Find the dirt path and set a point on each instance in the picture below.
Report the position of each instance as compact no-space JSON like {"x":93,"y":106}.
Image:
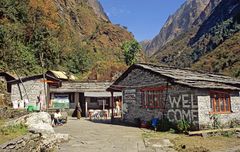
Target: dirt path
{"x":87,"y":136}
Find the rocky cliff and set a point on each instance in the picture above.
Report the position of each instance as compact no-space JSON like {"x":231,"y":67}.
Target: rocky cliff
{"x":181,"y":21}
{"x":210,"y":44}
{"x":98,"y":9}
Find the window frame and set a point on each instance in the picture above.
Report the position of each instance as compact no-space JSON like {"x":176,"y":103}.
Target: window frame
{"x":150,"y":94}
{"x":219,"y":99}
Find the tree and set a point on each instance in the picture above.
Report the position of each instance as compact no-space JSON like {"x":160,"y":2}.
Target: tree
{"x":131,"y":48}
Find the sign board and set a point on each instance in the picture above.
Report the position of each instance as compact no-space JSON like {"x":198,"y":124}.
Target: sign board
{"x":61,"y":101}
{"x":130,"y":95}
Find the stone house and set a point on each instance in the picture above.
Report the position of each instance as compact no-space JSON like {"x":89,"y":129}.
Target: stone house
{"x":31,"y":87}
{"x":5,"y":88}
{"x":4,"y":78}
{"x":167,"y":92}
{"x":90,"y":95}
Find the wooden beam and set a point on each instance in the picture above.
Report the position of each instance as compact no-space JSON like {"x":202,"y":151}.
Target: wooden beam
{"x":191,"y":133}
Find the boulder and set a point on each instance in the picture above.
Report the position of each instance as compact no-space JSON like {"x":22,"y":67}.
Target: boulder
{"x":36,"y":122}
{"x":37,"y":118}
{"x":42,"y":128}
{"x":33,"y":118}
{"x":41,"y":138}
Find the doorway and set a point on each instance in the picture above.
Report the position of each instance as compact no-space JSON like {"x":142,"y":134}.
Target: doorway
{"x":82,"y":104}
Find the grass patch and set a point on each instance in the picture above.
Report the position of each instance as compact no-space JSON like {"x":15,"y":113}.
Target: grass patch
{"x":153,"y":134}
{"x":187,"y":143}
{"x":11,"y":132}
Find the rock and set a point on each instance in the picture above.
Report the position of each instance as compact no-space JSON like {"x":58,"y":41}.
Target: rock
{"x":41,"y":138}
{"x":51,"y":141}
{"x":12,"y":146}
{"x":205,"y":135}
{"x":167,"y":143}
{"x":41,"y":128}
{"x":37,"y":122}
{"x":37,"y":118}
{"x":157,"y":145}
{"x":62,"y":137}
{"x":34,"y":136}
{"x":20,"y":141}
{"x":33,"y":118}
{"x":23,"y":144}
{"x":4,"y":146}
{"x":55,"y":138}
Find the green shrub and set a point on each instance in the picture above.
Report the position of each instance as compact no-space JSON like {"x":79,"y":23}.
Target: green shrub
{"x":234,"y":123}
{"x":183,"y":126}
{"x":228,"y":133}
{"x":216,"y":121}
{"x":13,"y":129}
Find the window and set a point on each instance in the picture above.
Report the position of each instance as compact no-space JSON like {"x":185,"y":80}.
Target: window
{"x":220,"y":102}
{"x":153,"y":97}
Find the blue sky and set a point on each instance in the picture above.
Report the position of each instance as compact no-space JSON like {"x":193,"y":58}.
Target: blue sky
{"x":144,"y":18}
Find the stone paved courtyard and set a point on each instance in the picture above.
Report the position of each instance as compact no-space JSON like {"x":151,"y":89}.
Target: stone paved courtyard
{"x":87,"y":136}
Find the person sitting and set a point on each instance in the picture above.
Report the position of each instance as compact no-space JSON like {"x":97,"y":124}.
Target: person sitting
{"x":57,"y":118}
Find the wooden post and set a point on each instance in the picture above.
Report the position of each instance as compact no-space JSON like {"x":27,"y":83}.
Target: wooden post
{"x":44,"y":79}
{"x":86,"y":108}
{"x":103,"y":104}
{"x":112,"y":100}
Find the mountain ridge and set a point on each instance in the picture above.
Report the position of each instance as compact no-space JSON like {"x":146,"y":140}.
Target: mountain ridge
{"x":218,"y":30}
{"x":177,"y":23}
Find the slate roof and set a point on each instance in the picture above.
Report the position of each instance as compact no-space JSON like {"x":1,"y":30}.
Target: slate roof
{"x":187,"y":77}
{"x":7,"y":76}
{"x":75,"y":86}
{"x":34,"y":77}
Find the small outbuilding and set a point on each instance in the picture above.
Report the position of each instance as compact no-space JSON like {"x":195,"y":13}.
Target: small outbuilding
{"x":32,"y":91}
{"x":4,"y":78}
{"x":176,"y":94}
{"x":5,"y":88}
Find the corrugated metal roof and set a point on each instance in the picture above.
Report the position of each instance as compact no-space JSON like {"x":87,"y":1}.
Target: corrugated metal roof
{"x":59,"y":74}
{"x":62,"y":75}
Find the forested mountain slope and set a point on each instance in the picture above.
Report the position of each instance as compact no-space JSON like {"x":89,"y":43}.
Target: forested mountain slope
{"x":71,"y":35}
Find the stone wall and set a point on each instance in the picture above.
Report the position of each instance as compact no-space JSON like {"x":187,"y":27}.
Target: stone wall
{"x":34,"y":143}
{"x":224,"y":119}
{"x":33,"y":89}
{"x":4,"y":95}
{"x":138,"y":77}
{"x":180,"y":103}
{"x":9,"y":113}
{"x":132,"y":107}
{"x":30,"y":142}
